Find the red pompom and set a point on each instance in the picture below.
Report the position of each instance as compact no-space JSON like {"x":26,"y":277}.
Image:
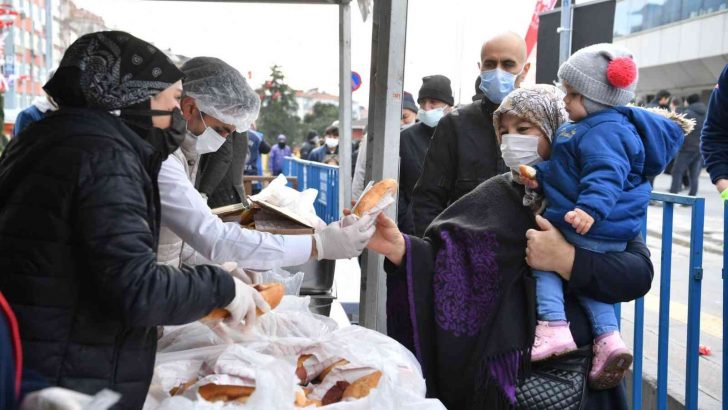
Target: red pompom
{"x":621,"y":72}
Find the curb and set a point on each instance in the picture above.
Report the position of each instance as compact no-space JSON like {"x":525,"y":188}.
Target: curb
{"x":684,"y":240}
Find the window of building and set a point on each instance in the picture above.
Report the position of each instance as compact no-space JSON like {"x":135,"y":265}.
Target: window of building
{"x":633,"y":16}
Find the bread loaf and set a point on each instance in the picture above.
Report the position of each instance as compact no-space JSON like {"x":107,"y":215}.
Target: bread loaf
{"x":225,"y":392}
{"x":527,"y":171}
{"x":372,"y":197}
{"x":271,"y":292}
{"x":362,"y":386}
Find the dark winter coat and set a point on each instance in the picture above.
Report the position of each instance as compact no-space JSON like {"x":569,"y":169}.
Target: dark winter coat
{"x":715,"y":132}
{"x":79,"y":228}
{"x":306,"y":149}
{"x":256,"y":146}
{"x":601,"y":164}
{"x":220,"y":174}
{"x":25,"y":118}
{"x":463,"y":153}
{"x":468,"y":277}
{"x":413,"y":144}
{"x":695,"y":111}
{"x":320,"y":153}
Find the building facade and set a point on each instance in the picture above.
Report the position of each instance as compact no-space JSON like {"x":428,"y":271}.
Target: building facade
{"x":27,"y":54}
{"x":679,"y":45}
{"x":34,"y":45}
{"x":307,"y":99}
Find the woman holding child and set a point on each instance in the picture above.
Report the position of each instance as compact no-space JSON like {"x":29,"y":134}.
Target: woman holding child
{"x":463,"y":297}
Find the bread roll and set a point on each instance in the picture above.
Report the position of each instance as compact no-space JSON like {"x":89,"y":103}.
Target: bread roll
{"x":527,"y":171}
{"x":326,"y":371}
{"x":335,"y":393}
{"x":225,"y":392}
{"x":372,"y":197}
{"x":271,"y":292}
{"x":174,"y":391}
{"x":362,"y":386}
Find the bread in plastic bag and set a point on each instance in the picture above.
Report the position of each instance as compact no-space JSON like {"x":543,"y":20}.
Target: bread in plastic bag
{"x":269,"y":354}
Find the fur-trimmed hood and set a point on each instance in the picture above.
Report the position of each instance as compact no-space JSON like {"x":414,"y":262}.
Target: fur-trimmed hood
{"x":662,"y":133}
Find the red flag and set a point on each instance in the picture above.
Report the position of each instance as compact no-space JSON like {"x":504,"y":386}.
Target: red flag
{"x":542,"y":6}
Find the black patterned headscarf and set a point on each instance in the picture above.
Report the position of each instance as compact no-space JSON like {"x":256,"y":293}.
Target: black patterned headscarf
{"x":111,"y":70}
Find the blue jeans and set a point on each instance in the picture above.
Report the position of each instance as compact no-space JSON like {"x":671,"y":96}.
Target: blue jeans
{"x":550,"y":290}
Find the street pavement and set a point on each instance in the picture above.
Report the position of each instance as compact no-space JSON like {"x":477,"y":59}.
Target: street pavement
{"x":348,"y":279}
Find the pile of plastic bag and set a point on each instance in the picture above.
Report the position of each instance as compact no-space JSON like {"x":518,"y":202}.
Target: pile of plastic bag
{"x":282,"y":359}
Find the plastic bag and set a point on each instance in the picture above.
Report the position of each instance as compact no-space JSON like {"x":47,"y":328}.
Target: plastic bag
{"x":291,"y":282}
{"x":269,"y":354}
{"x":383,"y":203}
{"x":279,"y":194}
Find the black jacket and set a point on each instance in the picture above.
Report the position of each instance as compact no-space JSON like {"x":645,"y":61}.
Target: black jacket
{"x":319,"y":154}
{"x":413,"y":144}
{"x":79,"y":227}
{"x":695,"y":111}
{"x":220,"y":174}
{"x":463,"y":153}
{"x":306,"y":149}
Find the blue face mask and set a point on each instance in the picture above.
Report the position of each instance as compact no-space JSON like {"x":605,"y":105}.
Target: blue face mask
{"x":496,"y":84}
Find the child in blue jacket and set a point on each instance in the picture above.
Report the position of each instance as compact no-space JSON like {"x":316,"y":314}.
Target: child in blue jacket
{"x":596,"y":189}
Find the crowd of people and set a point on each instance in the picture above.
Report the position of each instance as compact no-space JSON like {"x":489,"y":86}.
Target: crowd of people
{"x":517,"y":226}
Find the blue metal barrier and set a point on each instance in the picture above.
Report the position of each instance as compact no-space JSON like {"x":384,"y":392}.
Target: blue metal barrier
{"x":321,"y":177}
{"x":693,"y":328}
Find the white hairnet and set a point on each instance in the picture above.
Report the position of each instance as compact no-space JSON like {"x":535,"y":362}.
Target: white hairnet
{"x":221,"y":91}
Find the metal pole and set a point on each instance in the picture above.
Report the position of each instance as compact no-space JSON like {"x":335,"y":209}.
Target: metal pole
{"x":664,"y":320}
{"x":694,"y":289}
{"x":638,"y":346}
{"x":344,"y":104}
{"x":389,"y":32}
{"x":567,"y":17}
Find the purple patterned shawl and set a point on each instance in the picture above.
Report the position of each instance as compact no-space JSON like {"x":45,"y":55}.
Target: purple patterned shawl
{"x":463,"y":300}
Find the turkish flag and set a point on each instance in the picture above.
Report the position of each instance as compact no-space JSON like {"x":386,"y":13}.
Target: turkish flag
{"x":542,"y":6}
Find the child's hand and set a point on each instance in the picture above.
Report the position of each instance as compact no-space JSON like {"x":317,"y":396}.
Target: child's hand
{"x":530,"y":183}
{"x":579,"y":220}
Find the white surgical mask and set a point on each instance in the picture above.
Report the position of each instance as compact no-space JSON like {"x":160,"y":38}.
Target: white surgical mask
{"x":209,"y":140}
{"x":332,"y":142}
{"x":431,"y":117}
{"x":520,"y":150}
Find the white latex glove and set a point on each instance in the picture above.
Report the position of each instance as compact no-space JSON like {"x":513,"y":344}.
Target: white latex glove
{"x":243,"y":305}
{"x":337,"y":241}
{"x":319,"y":224}
{"x":249,"y":278}
{"x":55,"y":398}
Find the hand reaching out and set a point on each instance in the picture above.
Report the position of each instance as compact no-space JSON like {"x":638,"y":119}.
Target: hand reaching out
{"x":579,"y":220}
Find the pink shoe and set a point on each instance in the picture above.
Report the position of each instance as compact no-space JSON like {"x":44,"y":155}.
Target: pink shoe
{"x":551,"y":341}
{"x":611,"y":360}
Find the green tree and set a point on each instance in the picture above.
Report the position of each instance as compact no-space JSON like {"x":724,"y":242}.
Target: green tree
{"x":320,"y":118}
{"x":278,"y":108}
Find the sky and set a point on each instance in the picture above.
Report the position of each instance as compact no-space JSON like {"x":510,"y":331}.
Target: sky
{"x":443,"y":37}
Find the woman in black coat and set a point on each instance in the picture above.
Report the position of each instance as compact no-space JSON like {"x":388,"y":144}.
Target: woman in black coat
{"x":79,"y":222}
{"x":462,"y":297}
